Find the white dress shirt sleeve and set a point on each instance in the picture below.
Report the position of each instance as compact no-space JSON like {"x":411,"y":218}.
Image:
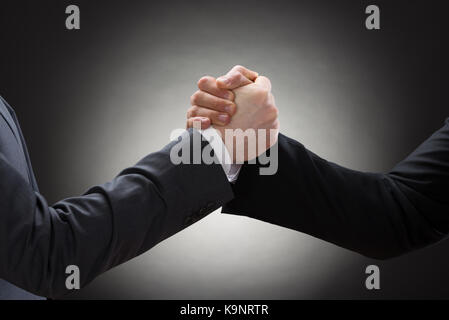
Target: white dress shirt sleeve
{"x":221,"y":152}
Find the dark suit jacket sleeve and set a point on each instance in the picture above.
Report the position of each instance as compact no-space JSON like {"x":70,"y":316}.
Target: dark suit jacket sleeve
{"x":110,"y":224}
{"x":377,"y":215}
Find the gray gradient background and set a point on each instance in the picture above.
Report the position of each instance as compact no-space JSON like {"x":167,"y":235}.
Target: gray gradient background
{"x":94,"y":101}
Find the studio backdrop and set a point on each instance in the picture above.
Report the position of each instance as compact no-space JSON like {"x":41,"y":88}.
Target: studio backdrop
{"x":115,"y":89}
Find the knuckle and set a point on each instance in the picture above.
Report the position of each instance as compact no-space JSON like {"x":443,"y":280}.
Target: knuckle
{"x":271,"y":112}
{"x":276,"y":124}
{"x":238,"y":68}
{"x":191,"y":112}
{"x":195,"y":97}
{"x":263,"y":94}
{"x":203,"y":81}
{"x":275,"y":111}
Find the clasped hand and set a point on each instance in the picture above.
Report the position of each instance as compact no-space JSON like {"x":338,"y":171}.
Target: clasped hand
{"x":241,"y":107}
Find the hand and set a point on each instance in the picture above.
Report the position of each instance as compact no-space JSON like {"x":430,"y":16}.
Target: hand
{"x":214,"y":103}
{"x":251,"y":106}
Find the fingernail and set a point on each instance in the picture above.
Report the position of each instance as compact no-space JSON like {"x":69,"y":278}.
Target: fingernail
{"x":223,"y":118}
{"x":228,"y":109}
{"x":229,"y":96}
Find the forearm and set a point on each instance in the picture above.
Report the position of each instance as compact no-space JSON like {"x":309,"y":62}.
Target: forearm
{"x":364,"y":212}
{"x":109,"y":225}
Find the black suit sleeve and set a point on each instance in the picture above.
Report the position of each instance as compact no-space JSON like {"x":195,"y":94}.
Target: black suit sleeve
{"x":377,"y":215}
{"x":110,"y":224}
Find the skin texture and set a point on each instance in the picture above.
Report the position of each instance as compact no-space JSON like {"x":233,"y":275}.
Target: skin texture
{"x":239,"y":100}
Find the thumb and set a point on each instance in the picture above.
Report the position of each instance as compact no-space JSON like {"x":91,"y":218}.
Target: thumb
{"x":263,"y":82}
{"x":232,"y":80}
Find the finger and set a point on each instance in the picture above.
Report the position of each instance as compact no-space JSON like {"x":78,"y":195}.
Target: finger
{"x":271,"y":99}
{"x":264,"y":82}
{"x":209,"y":85}
{"x":204,"y":99}
{"x":237,"y":77}
{"x":215,"y":117}
{"x":249,"y":74}
{"x":205,"y":122}
{"x":232,"y":80}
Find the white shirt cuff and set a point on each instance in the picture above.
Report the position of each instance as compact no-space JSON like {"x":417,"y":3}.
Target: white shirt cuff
{"x":221,"y":152}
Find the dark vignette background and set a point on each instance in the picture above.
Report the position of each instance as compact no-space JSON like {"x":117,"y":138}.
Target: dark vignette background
{"x":94,"y":101}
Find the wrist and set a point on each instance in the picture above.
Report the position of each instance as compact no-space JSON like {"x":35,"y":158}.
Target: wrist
{"x":228,"y":141}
